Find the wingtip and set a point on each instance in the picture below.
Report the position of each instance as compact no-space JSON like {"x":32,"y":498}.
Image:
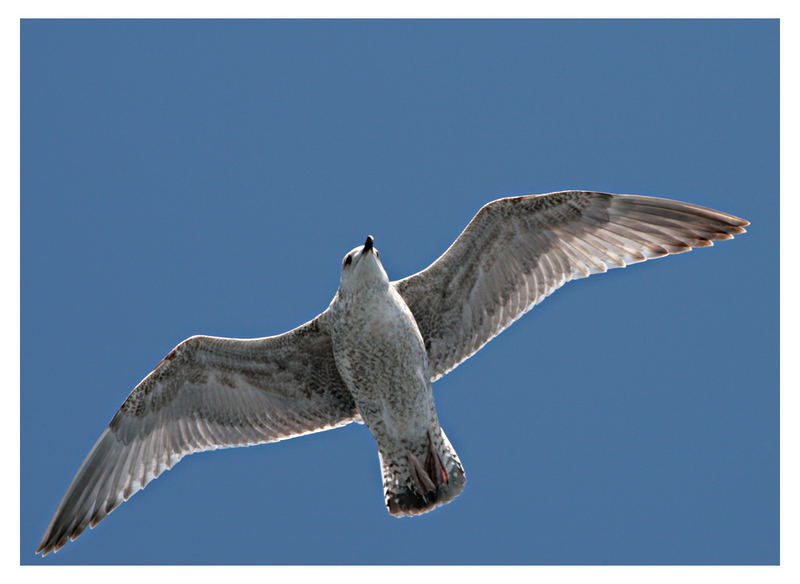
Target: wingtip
{"x":736,"y":225}
{"x":737,"y":229}
{"x":44,"y":546}
{"x":44,"y":549}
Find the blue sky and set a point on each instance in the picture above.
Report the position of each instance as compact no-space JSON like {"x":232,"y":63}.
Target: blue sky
{"x":185,"y":177}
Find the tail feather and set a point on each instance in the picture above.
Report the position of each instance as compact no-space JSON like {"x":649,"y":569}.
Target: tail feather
{"x":413,"y":489}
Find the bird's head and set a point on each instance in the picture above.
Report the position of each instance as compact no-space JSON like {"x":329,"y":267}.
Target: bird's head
{"x":362,"y":268}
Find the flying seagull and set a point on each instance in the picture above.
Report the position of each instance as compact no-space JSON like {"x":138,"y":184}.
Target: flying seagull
{"x":371,"y":356}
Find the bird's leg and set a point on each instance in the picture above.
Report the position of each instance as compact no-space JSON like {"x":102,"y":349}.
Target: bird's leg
{"x":421,"y":477}
{"x":433,"y":464}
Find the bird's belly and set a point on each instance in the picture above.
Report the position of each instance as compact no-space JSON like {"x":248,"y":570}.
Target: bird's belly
{"x":383,"y":361}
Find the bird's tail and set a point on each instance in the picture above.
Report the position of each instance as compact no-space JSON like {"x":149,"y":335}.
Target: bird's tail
{"x":418,"y":479}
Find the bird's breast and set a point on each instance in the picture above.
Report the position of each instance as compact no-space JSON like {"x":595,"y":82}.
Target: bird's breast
{"x":379,"y":350}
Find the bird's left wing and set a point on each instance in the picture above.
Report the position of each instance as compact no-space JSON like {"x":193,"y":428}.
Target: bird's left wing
{"x":518,"y":250}
{"x":207,"y":393}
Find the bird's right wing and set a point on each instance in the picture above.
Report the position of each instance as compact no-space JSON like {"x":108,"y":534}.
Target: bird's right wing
{"x":518,"y":250}
{"x":207,"y":393}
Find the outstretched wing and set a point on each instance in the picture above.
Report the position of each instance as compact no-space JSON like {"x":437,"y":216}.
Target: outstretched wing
{"x":518,"y":250}
{"x":208,"y":393}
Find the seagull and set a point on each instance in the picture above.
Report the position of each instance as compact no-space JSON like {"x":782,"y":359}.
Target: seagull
{"x":371,"y":356}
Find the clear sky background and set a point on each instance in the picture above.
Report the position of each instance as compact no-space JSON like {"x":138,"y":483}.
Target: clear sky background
{"x":185,"y":177}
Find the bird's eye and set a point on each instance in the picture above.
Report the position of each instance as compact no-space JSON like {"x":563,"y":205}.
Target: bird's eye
{"x":348,"y":260}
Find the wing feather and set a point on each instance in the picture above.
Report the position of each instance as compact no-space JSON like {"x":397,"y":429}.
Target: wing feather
{"x":208,"y":393}
{"x":518,"y":250}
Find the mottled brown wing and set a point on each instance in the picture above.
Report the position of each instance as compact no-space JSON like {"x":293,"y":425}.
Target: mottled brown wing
{"x":516,"y":251}
{"x":208,"y":393}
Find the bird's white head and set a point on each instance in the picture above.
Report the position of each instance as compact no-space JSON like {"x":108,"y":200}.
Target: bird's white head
{"x":362,"y":268}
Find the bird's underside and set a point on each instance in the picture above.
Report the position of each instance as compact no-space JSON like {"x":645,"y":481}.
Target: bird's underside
{"x":211,"y":393}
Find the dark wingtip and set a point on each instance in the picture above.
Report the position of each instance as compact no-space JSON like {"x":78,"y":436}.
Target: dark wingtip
{"x":45,"y":548}
{"x":368,"y":243}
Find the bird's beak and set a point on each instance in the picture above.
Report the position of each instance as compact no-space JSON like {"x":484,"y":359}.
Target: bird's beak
{"x":368,"y":243}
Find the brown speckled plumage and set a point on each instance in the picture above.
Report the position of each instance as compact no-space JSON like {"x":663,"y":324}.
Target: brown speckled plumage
{"x":373,"y":353}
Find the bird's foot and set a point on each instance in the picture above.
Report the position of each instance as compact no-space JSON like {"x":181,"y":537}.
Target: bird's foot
{"x":429,"y":477}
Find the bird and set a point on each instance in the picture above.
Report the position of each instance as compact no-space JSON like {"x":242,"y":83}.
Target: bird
{"x":371,"y":356}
